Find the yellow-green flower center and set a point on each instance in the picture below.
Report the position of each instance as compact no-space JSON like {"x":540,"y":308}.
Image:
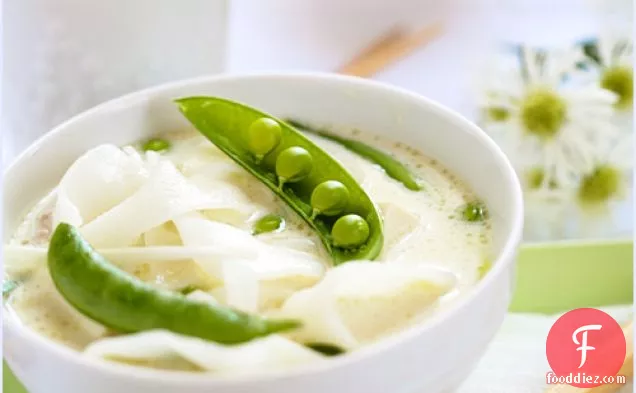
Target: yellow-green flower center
{"x":497,"y":113}
{"x":535,"y":178}
{"x":543,"y":112}
{"x":600,"y":185}
{"x":619,"y":80}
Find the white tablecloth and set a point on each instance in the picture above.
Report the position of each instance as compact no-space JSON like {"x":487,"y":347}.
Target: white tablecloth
{"x":516,"y":361}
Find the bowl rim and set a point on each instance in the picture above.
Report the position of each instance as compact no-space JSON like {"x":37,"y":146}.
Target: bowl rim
{"x":505,"y":258}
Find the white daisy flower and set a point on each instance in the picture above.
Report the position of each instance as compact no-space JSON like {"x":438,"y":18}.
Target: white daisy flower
{"x":613,"y":54}
{"x":541,"y":118}
{"x":592,"y":209}
{"x":609,"y":180}
{"x":595,"y":208}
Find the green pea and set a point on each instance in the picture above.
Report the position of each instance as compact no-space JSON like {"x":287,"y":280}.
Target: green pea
{"x":474,"y":211}
{"x":263,"y":136}
{"x":268,"y":223}
{"x":330,"y":198}
{"x":156,"y":144}
{"x":350,"y":231}
{"x":122,"y":302}
{"x":293,"y":164}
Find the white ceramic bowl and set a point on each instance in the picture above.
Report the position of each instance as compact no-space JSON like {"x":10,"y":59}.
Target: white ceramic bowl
{"x":432,"y":358}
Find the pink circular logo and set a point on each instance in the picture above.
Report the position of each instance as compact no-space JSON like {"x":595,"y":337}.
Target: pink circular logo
{"x":585,"y":346}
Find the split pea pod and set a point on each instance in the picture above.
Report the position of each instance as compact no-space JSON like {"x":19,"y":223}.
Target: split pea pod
{"x":304,"y":176}
{"x":102,"y":292}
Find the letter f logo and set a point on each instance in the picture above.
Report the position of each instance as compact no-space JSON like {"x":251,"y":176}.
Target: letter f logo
{"x":583,"y":344}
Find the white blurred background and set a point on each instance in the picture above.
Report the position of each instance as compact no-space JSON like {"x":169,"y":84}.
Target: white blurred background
{"x":252,"y":36}
{"x":64,"y":56}
{"x":321,"y":35}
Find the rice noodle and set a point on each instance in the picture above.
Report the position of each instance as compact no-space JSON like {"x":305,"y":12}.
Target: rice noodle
{"x":166,"y":195}
{"x":358,"y":302}
{"x":96,"y":182}
{"x":269,"y":353}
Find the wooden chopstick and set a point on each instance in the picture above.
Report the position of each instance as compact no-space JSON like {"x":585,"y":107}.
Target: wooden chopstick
{"x":391,"y":47}
{"x":627,"y":370}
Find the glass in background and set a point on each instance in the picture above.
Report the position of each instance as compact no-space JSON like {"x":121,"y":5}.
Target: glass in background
{"x":64,"y":56}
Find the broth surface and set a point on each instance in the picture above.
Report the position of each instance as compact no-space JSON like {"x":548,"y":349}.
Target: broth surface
{"x":421,"y":228}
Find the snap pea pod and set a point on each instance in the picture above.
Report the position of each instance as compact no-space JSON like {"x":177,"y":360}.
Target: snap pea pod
{"x":303,"y":175}
{"x":188,"y":289}
{"x":126,"y":304}
{"x":326,"y":349}
{"x":393,"y":168}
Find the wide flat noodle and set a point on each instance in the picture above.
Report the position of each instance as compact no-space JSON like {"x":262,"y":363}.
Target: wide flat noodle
{"x":215,"y":173}
{"x":202,"y":296}
{"x":267,"y":261}
{"x":240,"y":286}
{"x":162,"y":235}
{"x":273,"y":293}
{"x":240,"y":283}
{"x":278,"y":274}
{"x":20,"y":260}
{"x":196,"y":230}
{"x":23,"y":259}
{"x":269,"y":353}
{"x":226,"y":180}
{"x":65,"y":210}
{"x":294,"y":240}
{"x":167,"y":194}
{"x":96,"y":182}
{"x":193,"y":153}
{"x":359,"y":302}
{"x":236,"y":216}
{"x":241,"y":274}
{"x":172,"y":276}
